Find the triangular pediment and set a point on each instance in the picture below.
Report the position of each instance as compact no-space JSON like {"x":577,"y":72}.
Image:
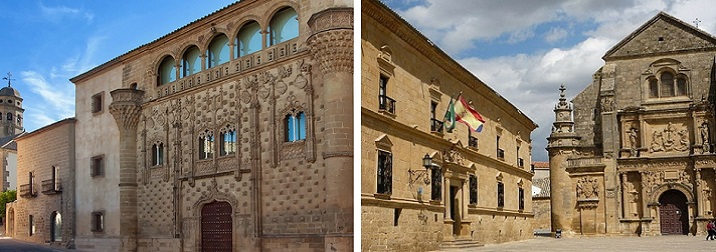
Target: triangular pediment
{"x":663,"y":34}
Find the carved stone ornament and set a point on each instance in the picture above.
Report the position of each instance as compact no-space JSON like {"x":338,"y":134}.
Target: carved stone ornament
{"x":587,"y":188}
{"x":670,"y":139}
{"x":455,"y":157}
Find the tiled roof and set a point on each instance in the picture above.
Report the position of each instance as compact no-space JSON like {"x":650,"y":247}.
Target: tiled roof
{"x":543,"y":184}
{"x":540,"y":164}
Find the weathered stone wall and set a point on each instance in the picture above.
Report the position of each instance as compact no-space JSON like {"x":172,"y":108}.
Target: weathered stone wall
{"x":40,"y":152}
{"x":408,"y":218}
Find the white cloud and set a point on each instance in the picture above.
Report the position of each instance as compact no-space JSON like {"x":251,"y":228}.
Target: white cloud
{"x":59,"y":95}
{"x":57,"y":13}
{"x":531,"y":80}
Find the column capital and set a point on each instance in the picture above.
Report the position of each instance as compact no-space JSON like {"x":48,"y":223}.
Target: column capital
{"x":126,"y":107}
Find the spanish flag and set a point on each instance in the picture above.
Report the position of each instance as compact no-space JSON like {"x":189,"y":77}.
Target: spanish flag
{"x":460,"y":111}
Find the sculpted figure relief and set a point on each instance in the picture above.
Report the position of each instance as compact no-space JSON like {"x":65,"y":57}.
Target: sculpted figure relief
{"x":670,"y":139}
{"x":633,"y":141}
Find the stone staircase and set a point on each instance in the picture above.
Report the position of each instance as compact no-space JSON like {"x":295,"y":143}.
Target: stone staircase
{"x":459,"y":244}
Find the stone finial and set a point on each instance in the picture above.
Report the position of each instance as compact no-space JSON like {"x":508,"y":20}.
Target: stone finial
{"x":126,"y":107}
{"x":562,"y":100}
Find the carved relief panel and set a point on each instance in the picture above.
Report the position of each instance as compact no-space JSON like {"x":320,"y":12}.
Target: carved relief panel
{"x":669,"y":137}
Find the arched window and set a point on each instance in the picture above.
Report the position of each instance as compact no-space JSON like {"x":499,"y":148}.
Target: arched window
{"x":191,"y":62}
{"x":284,"y":26}
{"x":167,"y":71}
{"x":667,"y":84}
{"x":295,"y":127}
{"x":9,"y":116}
{"x":249,"y":39}
{"x":218,"y":52}
{"x":206,"y":145}
{"x":227,"y":142}
{"x":157,"y":154}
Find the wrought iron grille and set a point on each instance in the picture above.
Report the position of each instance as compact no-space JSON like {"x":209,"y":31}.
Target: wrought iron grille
{"x":385,"y":172}
{"x":437,"y":185}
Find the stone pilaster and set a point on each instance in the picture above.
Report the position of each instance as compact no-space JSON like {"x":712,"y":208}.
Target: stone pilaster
{"x":331,"y":43}
{"x":126,"y":109}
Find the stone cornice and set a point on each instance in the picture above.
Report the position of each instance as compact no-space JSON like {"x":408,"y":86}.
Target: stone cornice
{"x":402,"y":29}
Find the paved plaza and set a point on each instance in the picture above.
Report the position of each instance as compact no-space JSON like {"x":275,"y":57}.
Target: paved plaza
{"x":678,"y":243}
{"x":12,"y":245}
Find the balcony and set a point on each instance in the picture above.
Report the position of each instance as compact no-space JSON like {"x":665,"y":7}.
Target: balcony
{"x":501,"y":154}
{"x":472,"y":142}
{"x":436,"y":125}
{"x":27,"y":191}
{"x":520,"y":163}
{"x":50,"y":186}
{"x":386,"y":104}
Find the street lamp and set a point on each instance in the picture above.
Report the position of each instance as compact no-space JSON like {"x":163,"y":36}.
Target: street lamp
{"x":416,"y":174}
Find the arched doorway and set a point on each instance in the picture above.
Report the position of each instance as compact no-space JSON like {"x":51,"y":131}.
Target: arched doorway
{"x":55,"y":227}
{"x":216,"y":227}
{"x":673,"y":213}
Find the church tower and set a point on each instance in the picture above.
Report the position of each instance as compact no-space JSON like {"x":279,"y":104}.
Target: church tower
{"x":11,"y":110}
{"x":561,"y":143}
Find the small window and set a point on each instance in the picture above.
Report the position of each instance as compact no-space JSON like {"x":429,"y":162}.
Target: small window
{"x":31,"y":225}
{"x":97,"y":103}
{"x":295,"y":127}
{"x":667,"y":85}
{"x":521,"y":193}
{"x":227,"y":145}
{"x":9,"y":116}
{"x":97,"y":221}
{"x":385,"y":172}
{"x":500,"y":194}
{"x":653,"y":88}
{"x":206,"y":145}
{"x":157,"y":154}
{"x":97,"y":166}
{"x":473,"y":190}
{"x":31,"y":181}
{"x":56,"y":178}
{"x":19,"y":120}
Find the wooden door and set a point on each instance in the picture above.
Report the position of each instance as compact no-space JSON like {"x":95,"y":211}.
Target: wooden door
{"x":216,"y":227}
{"x":673,"y":213}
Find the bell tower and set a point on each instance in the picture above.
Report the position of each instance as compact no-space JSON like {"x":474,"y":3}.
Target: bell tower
{"x":561,"y":143}
{"x":11,"y":111}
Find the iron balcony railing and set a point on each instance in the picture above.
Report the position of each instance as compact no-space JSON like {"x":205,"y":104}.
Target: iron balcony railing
{"x":501,"y":154}
{"x":472,"y":142}
{"x":436,"y":125}
{"x":386,"y":103}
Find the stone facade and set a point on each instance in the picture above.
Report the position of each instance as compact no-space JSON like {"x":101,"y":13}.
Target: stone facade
{"x":406,"y":206}
{"x":44,"y":210}
{"x":636,"y":156}
{"x":540,"y":198}
{"x":258,"y":147}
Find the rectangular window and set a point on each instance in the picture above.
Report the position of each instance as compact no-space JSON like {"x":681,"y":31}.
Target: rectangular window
{"x":228,"y":143}
{"x":206,"y":145}
{"x":295,"y":127}
{"x":97,"y":221}
{"x":31,"y":225}
{"x":97,"y":103}
{"x":471,"y":140}
{"x":500,"y":194}
{"x":435,"y":124}
{"x":473,"y":190}
{"x":157,"y":154}
{"x":56,"y":178}
{"x":522,"y":198}
{"x":437,"y":183}
{"x":385,"y":172}
{"x":500,"y":152}
{"x":97,"y":166}
{"x":31,"y":180}
{"x":385,"y":103}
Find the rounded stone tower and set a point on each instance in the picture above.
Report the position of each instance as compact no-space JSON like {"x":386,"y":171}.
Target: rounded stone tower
{"x":11,"y":110}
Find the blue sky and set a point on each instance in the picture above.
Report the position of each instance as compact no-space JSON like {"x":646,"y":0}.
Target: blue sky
{"x":525,"y":50}
{"x":45,"y":43}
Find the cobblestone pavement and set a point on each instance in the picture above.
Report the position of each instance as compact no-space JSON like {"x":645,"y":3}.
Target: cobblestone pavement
{"x":680,"y":243}
{"x":12,"y":245}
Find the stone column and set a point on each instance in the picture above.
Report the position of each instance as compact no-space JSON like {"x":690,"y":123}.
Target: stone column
{"x":331,"y":43}
{"x":126,"y":109}
{"x":699,"y":210}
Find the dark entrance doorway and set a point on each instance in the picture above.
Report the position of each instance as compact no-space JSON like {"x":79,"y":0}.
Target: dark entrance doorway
{"x":455,"y":210}
{"x":216,"y":227}
{"x":673,"y":213}
{"x":55,"y":227}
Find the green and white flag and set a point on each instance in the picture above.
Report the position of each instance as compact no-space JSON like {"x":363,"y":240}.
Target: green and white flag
{"x":449,"y":118}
